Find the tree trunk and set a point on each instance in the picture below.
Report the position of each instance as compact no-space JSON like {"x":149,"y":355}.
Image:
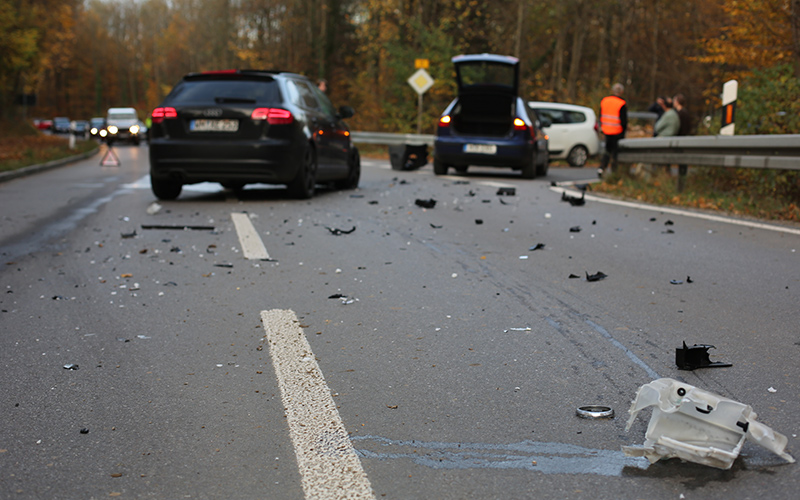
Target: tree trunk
{"x":795,"y":12}
{"x":578,"y":36}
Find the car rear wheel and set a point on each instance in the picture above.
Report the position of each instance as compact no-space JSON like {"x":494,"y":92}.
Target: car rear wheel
{"x":439,"y":168}
{"x":577,"y":156}
{"x":542,"y":167}
{"x":302,"y":187}
{"x":354,"y":172}
{"x":165,"y":189}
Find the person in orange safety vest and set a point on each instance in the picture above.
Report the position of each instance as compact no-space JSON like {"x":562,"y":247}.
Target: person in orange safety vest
{"x":613,"y":124}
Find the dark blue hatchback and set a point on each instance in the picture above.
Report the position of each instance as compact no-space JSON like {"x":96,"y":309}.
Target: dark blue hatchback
{"x":488,"y":123}
{"x":240,"y":126}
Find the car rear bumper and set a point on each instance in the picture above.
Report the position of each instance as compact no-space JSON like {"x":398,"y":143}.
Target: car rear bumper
{"x":269,"y":161}
{"x":509,"y":153}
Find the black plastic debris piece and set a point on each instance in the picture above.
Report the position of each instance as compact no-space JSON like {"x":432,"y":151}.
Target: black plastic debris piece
{"x":337,"y":232}
{"x":594,"y":222}
{"x":652,"y":219}
{"x":435,"y":226}
{"x":84,"y":431}
{"x":338,"y":296}
{"x":537,"y":246}
{"x":373,"y":202}
{"x":479,"y":221}
{"x":668,"y":223}
{"x":223,"y":265}
{"x":573,"y":276}
{"x":689,"y":279}
{"x":690,"y":358}
{"x":599,"y":275}
{"x":179,"y":227}
{"x":425,"y":203}
{"x":170,"y":283}
{"x":507,"y":191}
{"x":668,"y":231}
{"x":471,"y":193}
{"x":71,"y":366}
{"x":575,"y":229}
{"x":59,"y":297}
{"x":175,"y":250}
{"x":573,"y":200}
{"x":458,"y":183}
{"x":128,"y":235}
{"x":356,"y":196}
{"x":502,"y":201}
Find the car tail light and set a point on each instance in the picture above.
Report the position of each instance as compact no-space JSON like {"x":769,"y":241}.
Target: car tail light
{"x":445,"y":121}
{"x":596,"y":127}
{"x":160,"y":114}
{"x":519,"y":124}
{"x":275,"y":116}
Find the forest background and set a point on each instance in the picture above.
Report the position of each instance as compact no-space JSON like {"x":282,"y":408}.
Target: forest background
{"x":80,"y":57}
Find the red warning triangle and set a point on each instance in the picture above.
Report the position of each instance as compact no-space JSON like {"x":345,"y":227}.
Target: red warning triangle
{"x":110,"y":159}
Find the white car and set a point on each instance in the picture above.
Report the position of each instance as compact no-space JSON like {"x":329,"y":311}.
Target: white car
{"x":573,"y":131}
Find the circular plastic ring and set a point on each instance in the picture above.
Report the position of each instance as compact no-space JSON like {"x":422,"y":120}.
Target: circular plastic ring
{"x":594,"y":411}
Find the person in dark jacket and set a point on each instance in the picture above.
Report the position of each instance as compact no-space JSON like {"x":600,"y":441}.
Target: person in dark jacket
{"x":613,"y":124}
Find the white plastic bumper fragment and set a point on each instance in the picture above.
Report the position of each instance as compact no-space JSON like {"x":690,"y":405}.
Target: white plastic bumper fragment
{"x":698,"y":426}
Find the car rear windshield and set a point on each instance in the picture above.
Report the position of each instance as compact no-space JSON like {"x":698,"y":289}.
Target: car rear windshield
{"x":225,"y":91}
{"x":122,"y":116}
{"x":486,"y":73}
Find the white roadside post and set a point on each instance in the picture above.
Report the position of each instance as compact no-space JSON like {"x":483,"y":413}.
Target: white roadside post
{"x":729,"y":94}
{"x":420,"y":81}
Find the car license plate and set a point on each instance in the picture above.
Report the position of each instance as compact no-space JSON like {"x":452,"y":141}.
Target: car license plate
{"x":204,"y":125}
{"x":484,"y":149}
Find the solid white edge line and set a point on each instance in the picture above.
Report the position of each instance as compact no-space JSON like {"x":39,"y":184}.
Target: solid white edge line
{"x":328,"y":464}
{"x":252,"y":246}
{"x":686,"y":213}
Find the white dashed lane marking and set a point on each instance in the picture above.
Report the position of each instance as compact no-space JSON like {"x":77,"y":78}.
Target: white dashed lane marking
{"x":252,"y":246}
{"x":329,"y":466}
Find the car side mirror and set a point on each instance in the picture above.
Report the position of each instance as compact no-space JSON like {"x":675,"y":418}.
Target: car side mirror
{"x":546,"y":122}
{"x":346,"y":112}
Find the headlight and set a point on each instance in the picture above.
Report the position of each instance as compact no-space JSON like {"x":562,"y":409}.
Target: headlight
{"x":134,"y":129}
{"x":93,"y":131}
{"x":112,"y":129}
{"x":103,"y":133}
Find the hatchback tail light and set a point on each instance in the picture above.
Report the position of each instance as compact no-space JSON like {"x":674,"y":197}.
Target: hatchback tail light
{"x":275,"y":116}
{"x":160,"y":114}
{"x":445,"y":121}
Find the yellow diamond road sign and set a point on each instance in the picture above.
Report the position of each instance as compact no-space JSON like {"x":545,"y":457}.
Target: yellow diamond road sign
{"x":420,"y":81}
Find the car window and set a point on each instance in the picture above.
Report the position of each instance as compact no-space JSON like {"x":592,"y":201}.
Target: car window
{"x":307,"y":96}
{"x":326,"y":104}
{"x":220,"y":91}
{"x":122,"y":116}
{"x":556,"y":116}
{"x":486,"y":73}
{"x":576,"y":117}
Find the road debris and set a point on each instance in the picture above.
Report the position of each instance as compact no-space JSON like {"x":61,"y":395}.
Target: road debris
{"x":126,"y":236}
{"x":518,"y":329}
{"x":224,"y":265}
{"x":537,"y":246}
{"x":573,"y":276}
{"x":425,"y":203}
{"x":575,"y":229}
{"x":698,"y":426}
{"x":507,"y":191}
{"x":772,"y":390}
{"x":676,"y":282}
{"x":71,"y":366}
{"x":179,"y":227}
{"x":153,"y":208}
{"x":691,"y":358}
{"x":84,"y":431}
{"x":338,"y":232}
{"x":478,"y":221}
{"x":599,"y":275}
{"x":435,"y":226}
{"x":594,"y":411}
{"x":574,"y":200}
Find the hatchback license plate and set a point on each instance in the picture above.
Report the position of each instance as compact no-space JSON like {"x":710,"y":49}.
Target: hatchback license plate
{"x":204,"y":125}
{"x":485,"y":149}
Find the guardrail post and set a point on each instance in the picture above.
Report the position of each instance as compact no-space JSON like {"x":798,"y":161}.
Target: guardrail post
{"x":682,"y":170}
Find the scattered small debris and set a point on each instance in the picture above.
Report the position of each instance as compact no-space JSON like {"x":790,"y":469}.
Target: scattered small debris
{"x":337,"y":296}
{"x":479,"y":221}
{"x":126,"y":236}
{"x":698,"y":426}
{"x":537,"y":246}
{"x":338,"y":232}
{"x":373,"y":202}
{"x":507,"y":191}
{"x":575,"y":229}
{"x":668,"y":223}
{"x":224,"y":265}
{"x":153,"y":209}
{"x":84,"y":431}
{"x":435,"y":226}
{"x":175,"y":250}
{"x":523,"y":257}
{"x":502,"y":201}
{"x":356,"y":196}
{"x":425,"y":203}
{"x":574,"y":200}
{"x":652,"y":219}
{"x":668,"y":231}
{"x":772,"y":390}
{"x":690,"y":358}
{"x":392,"y":407}
{"x":59,"y":297}
{"x":676,"y":282}
{"x":689,"y":279}
{"x":143,"y":337}
{"x":599,"y":275}
{"x":518,"y":329}
{"x":574,"y":276}
{"x":71,"y":366}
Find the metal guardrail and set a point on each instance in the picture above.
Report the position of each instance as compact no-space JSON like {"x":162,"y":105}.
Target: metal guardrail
{"x":780,"y":152}
{"x":390,"y":138}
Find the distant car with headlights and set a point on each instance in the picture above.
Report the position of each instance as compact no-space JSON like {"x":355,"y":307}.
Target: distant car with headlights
{"x":573,"y":132}
{"x":238,"y":127}
{"x":488,"y":124}
{"x":96,"y":125}
{"x":122,"y":124}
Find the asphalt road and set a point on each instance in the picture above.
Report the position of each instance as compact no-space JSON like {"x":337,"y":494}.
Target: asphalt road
{"x":450,"y":366}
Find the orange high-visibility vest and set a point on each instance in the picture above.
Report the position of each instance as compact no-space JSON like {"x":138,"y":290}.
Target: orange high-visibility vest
{"x":610,"y":122}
